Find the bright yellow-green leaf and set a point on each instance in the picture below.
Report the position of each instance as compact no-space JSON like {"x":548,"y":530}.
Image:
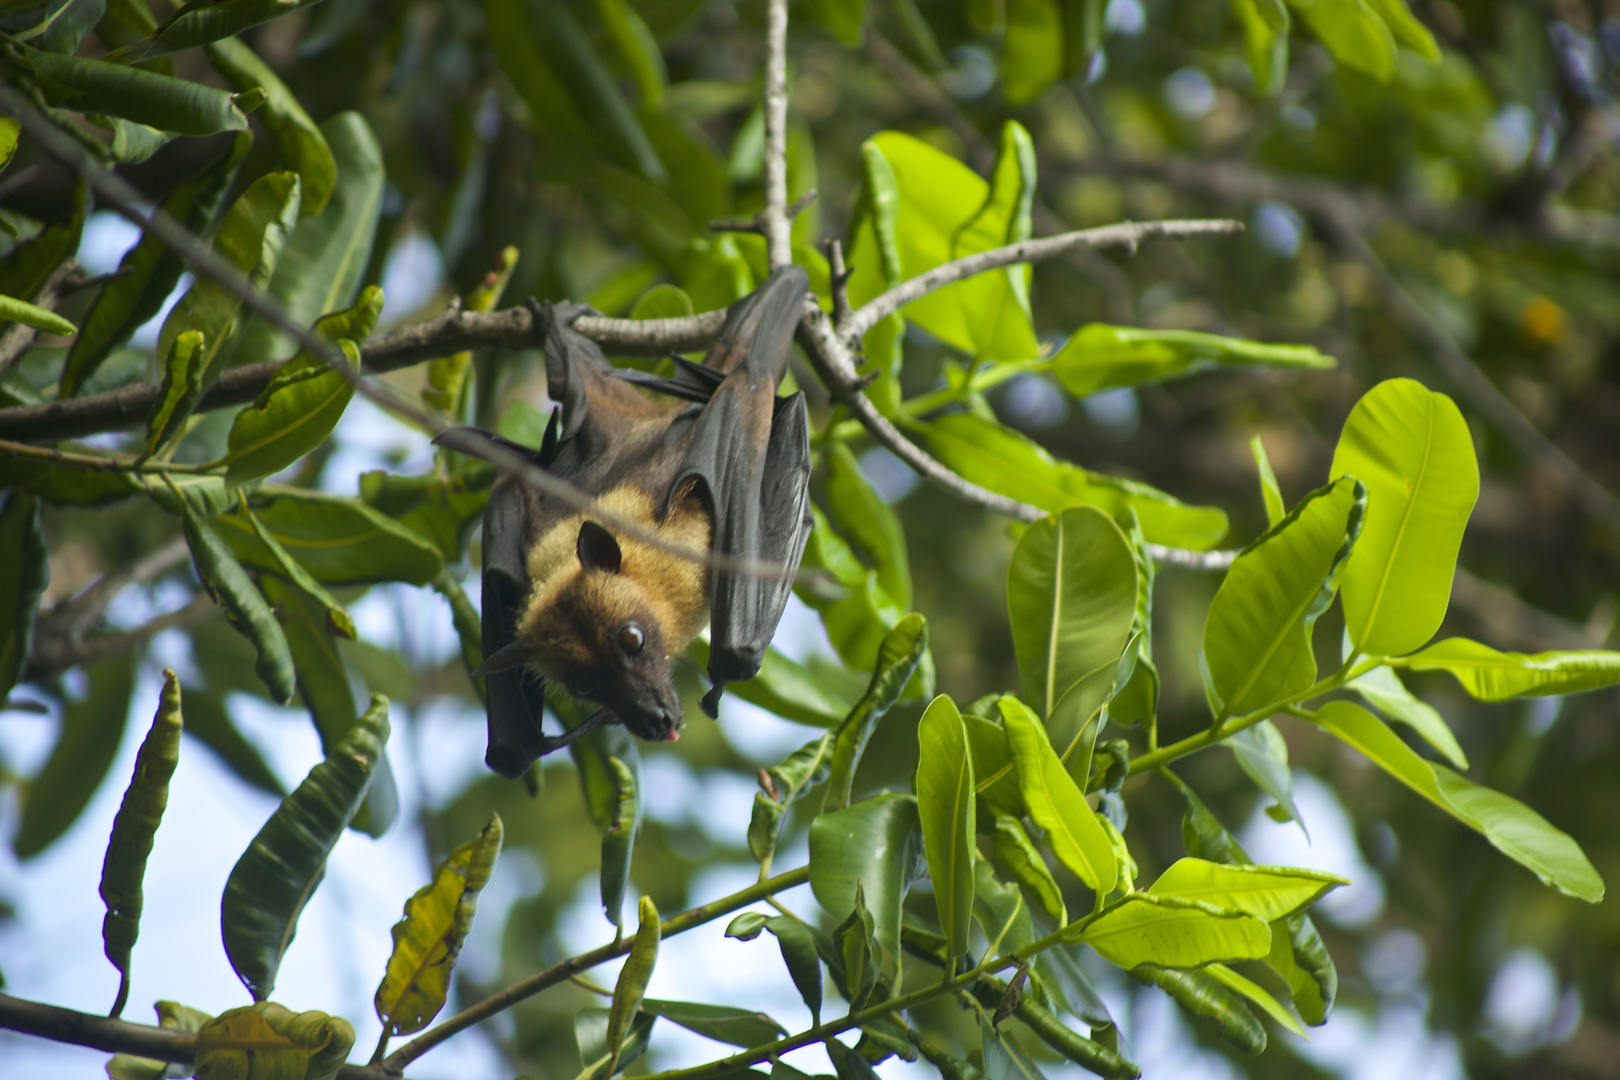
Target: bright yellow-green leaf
{"x":1355,"y":36}
{"x":1032,"y":53}
{"x":1268,"y":893}
{"x":1383,"y":689}
{"x":1257,"y":994}
{"x":1257,"y":637}
{"x":1098,"y":357}
{"x":1265,"y":36}
{"x":1270,"y":493}
{"x":1144,"y":928}
{"x":32,"y":315}
{"x":429,"y":938}
{"x":1496,"y":676}
{"x":1005,"y":461}
{"x":945,"y":806}
{"x":1406,"y":28}
{"x":632,"y":984}
{"x":1056,"y":803}
{"x":1512,"y":827}
{"x":179,"y":392}
{"x":1412,"y":449}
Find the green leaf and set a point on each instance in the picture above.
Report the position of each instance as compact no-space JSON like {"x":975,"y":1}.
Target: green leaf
{"x":1202,"y":995}
{"x":22,"y":548}
{"x":1071,"y":597}
{"x":339,"y":541}
{"x":847,"y":1063}
{"x":1512,"y":828}
{"x":267,"y":1040}
{"x":134,"y":827}
{"x":1270,"y":493}
{"x":1098,"y":357}
{"x":208,"y":721}
{"x":294,"y":415}
{"x":996,"y":457}
{"x":1144,"y":928}
{"x":1028,"y":868}
{"x":200,"y":22}
{"x":439,"y":508}
{"x":799,"y":951}
{"x":428,"y":939}
{"x":1032,"y":56}
{"x":1257,"y":637}
{"x":945,"y":807}
{"x":9,"y":132}
{"x":132,"y":143}
{"x":321,"y":268}
{"x":84,"y":751}
{"x":1496,"y":676}
{"x":722,"y":1023}
{"x":277,"y":874}
{"x":148,"y":271}
{"x":663,"y":301}
{"x":1383,"y":689}
{"x":1412,"y":449}
{"x":590,"y":1034}
{"x":1268,"y":893}
{"x":633,"y":977}
{"x":897,"y":657}
{"x":337,"y":621}
{"x":938,"y":200}
{"x":1406,"y":28}
{"x":1355,"y":36}
{"x":995,"y":775}
{"x":1056,"y":803}
{"x":146,"y":97}
{"x":844,"y":19}
{"x":784,"y":687}
{"x":857,"y":620}
{"x":873,"y":845}
{"x":619,"y":839}
{"x":31,"y":315}
{"x":1262,"y":754}
{"x":638,"y":51}
{"x":179,"y":392}
{"x":328,"y":693}
{"x":858,"y":962}
{"x":303,"y":147}
{"x":1001,"y":911}
{"x":28,"y":265}
{"x":229,"y":584}
{"x":1265,"y":38}
{"x":67,"y":21}
{"x":1298,"y":955}
{"x":1003,"y":1058}
{"x":251,"y":238}
{"x":867,"y":520}
{"x":802,"y":769}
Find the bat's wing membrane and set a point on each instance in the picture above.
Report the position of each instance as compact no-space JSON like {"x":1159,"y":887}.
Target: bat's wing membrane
{"x":752,"y":452}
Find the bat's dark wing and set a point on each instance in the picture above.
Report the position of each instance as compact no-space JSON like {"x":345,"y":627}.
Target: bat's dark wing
{"x":751,"y":450}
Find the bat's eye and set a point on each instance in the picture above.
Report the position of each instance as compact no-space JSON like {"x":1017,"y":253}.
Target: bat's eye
{"x":632,"y":638}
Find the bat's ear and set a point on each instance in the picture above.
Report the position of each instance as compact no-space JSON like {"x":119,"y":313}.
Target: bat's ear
{"x":597,"y":548}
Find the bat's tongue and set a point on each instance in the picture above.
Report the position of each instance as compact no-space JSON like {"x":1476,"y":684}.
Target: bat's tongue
{"x":673,"y":736}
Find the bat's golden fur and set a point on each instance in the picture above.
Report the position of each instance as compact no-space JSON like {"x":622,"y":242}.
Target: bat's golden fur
{"x":572,"y":612}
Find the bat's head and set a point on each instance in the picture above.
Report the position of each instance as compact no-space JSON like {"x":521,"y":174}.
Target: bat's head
{"x":605,"y":636}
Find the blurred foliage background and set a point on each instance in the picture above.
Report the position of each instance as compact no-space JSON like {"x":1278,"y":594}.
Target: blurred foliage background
{"x":1392,"y":198}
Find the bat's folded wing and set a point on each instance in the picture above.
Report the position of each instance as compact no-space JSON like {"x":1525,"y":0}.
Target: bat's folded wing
{"x":515,"y":696}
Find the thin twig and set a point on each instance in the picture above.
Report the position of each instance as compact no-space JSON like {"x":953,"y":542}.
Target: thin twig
{"x":50,"y":657}
{"x":777,"y":224}
{"x":1125,"y":234}
{"x":95,"y":462}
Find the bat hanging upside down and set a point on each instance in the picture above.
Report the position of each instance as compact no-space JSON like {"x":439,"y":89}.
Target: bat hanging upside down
{"x":725,"y":469}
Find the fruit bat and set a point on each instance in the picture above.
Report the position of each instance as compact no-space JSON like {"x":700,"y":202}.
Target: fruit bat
{"x":711,"y":461}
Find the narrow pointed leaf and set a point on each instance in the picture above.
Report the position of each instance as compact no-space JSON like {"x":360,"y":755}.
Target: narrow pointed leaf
{"x":33,"y":315}
{"x":1144,"y":928}
{"x":1268,"y":893}
{"x":897,"y":657}
{"x":179,"y":391}
{"x":22,"y":548}
{"x":722,"y":1023}
{"x":146,"y":97}
{"x":230,"y":585}
{"x":1512,"y":828}
{"x":275,"y":877}
{"x":1028,"y":868}
{"x":1270,"y":493}
{"x":1099,"y":357}
{"x":1202,"y":995}
{"x":633,"y":977}
{"x":201,"y":22}
{"x":303,"y":147}
{"x":1056,"y":803}
{"x":1490,"y":675}
{"x":1383,"y":689}
{"x":619,"y":839}
{"x":590,"y":1034}
{"x":945,"y":807}
{"x":136,"y":824}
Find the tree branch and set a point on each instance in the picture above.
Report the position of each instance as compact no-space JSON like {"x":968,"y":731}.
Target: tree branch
{"x":1125,"y":234}
{"x":120,"y":1036}
{"x":774,"y":219}
{"x":53,"y":655}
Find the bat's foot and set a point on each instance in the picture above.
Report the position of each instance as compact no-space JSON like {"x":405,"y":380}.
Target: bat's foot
{"x":711,"y":700}
{"x":600,"y":717}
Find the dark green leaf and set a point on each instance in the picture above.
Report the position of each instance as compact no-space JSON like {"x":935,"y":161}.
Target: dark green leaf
{"x":322,"y":266}
{"x":146,"y":97}
{"x":208,"y":720}
{"x":722,"y":1023}
{"x":1201,"y":995}
{"x":339,"y":541}
{"x":590,"y":1034}
{"x":897,"y":658}
{"x":22,"y":549}
{"x":442,"y":509}
{"x":872,"y":844}
{"x":619,"y":839}
{"x":84,"y":751}
{"x":275,"y":877}
{"x":303,"y":147}
{"x":134,"y":827}
{"x":863,"y":517}
{"x":26,"y":268}
{"x":843,"y":18}
{"x":178,"y":393}
{"x":201,"y":22}
{"x":69,"y":21}
{"x":1028,"y":868}
{"x":149,"y":270}
{"x":294,"y":415}
{"x":229,"y":584}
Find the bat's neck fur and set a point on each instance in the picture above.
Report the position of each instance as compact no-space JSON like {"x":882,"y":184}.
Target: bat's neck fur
{"x":571,"y":610}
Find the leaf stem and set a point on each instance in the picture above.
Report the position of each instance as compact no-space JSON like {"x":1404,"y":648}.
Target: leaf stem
{"x":97,"y":462}
{"x":562,"y":970}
